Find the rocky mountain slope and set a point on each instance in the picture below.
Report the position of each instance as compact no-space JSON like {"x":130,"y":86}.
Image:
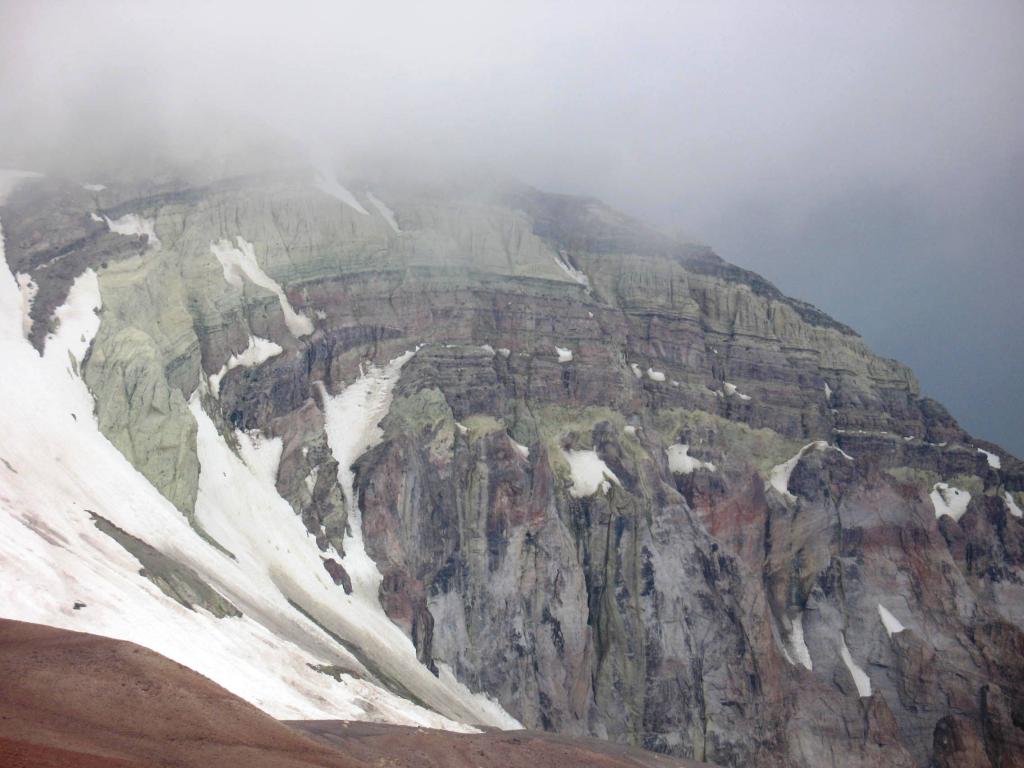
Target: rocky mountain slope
{"x":492,"y":456}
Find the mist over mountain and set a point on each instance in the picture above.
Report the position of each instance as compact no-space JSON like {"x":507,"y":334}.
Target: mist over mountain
{"x":647,"y":374}
{"x":868,"y":159}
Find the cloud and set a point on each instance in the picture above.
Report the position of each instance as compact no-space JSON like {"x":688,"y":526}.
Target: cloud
{"x":803,"y":139}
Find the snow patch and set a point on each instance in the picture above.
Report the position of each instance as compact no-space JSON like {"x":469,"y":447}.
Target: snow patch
{"x":77,"y":323}
{"x":353,"y":417}
{"x":654,"y":375}
{"x":589,"y":474}
{"x":488,"y":349}
{"x":241,"y":261}
{"x":842,"y":453}
{"x":94,"y":187}
{"x":891,"y":623}
{"x":383,"y":210}
{"x":504,"y":352}
{"x":572,"y":272}
{"x":564,"y":354}
{"x":779,"y":476}
{"x":132,"y":224}
{"x":636,"y":370}
{"x":681,"y":463}
{"x":797,"y":647}
{"x":860,"y":677}
{"x":463,"y":429}
{"x":993,"y":461}
{"x":258,"y":351}
{"x":630,"y":430}
{"x":730,"y":390}
{"x":948,"y":500}
{"x":1011,"y":504}
{"x":521,"y":449}
{"x":329,"y":184}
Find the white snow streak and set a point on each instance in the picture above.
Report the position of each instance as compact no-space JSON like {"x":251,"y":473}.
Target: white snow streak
{"x":94,"y":187}
{"x":132,"y":224}
{"x":779,"y":476}
{"x":329,"y":184}
{"x":797,"y":647}
{"x":993,"y":460}
{"x":636,"y":370}
{"x":352,"y":418}
{"x":730,"y":390}
{"x":521,"y":449}
{"x":258,"y":351}
{"x":891,"y":623}
{"x":564,"y":354}
{"x":572,"y":272}
{"x":654,"y":375}
{"x":1011,"y":504}
{"x":860,"y":677}
{"x":383,"y":210}
{"x":241,"y":261}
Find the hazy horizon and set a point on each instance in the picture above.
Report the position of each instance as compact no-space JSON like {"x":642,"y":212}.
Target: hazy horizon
{"x":867,"y":159}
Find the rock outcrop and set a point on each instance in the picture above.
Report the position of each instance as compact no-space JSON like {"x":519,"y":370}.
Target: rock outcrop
{"x":770,"y":568}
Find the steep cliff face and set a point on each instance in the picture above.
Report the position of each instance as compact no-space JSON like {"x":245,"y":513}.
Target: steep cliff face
{"x":620,"y":486}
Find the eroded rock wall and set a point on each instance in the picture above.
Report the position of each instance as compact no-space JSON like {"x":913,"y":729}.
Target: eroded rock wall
{"x":736,"y":605}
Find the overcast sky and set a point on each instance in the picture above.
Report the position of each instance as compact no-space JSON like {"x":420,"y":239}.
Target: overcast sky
{"x":867,"y":157}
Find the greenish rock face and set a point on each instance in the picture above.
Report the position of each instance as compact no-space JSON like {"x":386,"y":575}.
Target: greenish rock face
{"x":177,"y":581}
{"x":762,"y":480}
{"x":142,"y":415}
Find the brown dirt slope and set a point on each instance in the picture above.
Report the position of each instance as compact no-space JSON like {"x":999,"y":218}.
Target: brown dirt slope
{"x":74,"y":700}
{"x":422,"y":748}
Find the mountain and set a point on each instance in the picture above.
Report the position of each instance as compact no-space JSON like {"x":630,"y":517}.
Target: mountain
{"x":462,"y":455}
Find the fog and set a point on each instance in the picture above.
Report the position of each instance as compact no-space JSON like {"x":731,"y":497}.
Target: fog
{"x":867,"y":157}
